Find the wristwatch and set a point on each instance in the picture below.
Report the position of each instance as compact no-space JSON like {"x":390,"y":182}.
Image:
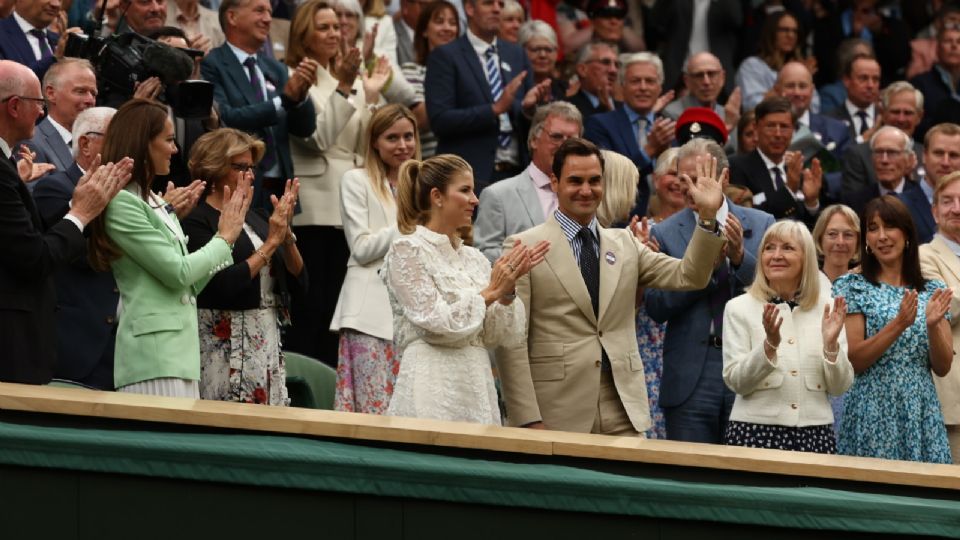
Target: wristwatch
{"x":709,"y":225}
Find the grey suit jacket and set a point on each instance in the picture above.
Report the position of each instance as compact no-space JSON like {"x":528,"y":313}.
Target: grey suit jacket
{"x":405,"y":52}
{"x":858,"y":172}
{"x":507,"y":207}
{"x":49,"y":146}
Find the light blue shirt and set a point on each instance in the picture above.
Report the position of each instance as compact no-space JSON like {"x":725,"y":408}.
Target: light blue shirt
{"x":571,"y":228}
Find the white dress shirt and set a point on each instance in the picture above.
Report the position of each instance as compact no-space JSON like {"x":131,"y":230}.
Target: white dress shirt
{"x":31,"y":39}
{"x":511,"y":153}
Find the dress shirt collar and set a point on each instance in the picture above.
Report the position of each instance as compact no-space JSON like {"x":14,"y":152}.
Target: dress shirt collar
{"x":804,"y":119}
{"x":852,"y":110}
{"x":769,"y":164}
{"x":954,"y":247}
{"x":480,"y":45}
{"x":23,"y":24}
{"x":594,"y":100}
{"x":240,"y":53}
{"x":64,"y":132}
{"x":571,"y":228}
{"x":634,"y":115}
{"x":540,"y":178}
{"x":895,"y":191}
{"x":5,"y":148}
{"x":436,"y":238}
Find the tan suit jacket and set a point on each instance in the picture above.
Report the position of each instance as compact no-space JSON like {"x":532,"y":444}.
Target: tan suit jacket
{"x":555,"y":376}
{"x":938,"y":262}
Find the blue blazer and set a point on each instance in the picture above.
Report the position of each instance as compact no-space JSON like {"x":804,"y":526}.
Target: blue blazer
{"x":688,"y":313}
{"x":459,"y":103}
{"x":240,"y":109}
{"x":613,"y":131}
{"x":49,"y":146}
{"x":86,"y":318}
{"x":14,"y":46}
{"x":915,"y":200}
{"x":830,"y":130}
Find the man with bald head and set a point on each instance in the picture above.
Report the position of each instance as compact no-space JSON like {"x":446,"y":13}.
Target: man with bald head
{"x":705,"y":78}
{"x":30,"y":254}
{"x":25,"y":38}
{"x":795,"y":82}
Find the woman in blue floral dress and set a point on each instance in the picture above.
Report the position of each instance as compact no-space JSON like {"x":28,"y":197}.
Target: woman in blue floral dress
{"x":897,"y":330}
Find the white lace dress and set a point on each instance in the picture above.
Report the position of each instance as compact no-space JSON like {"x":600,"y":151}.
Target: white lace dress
{"x":442,"y":328}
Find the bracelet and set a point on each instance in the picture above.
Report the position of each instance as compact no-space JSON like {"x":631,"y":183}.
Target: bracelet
{"x":831,"y":353}
{"x":263,"y":256}
{"x":220,"y":236}
{"x":768,"y":344}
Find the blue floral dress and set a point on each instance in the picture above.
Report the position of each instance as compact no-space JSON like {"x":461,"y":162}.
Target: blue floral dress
{"x":892,"y":411}
{"x":650,"y":336}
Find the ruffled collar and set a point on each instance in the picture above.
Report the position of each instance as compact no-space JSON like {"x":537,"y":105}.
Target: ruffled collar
{"x":438,"y":239}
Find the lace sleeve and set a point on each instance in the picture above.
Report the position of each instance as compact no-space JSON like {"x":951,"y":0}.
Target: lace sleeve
{"x":440,"y":317}
{"x":505,"y":325}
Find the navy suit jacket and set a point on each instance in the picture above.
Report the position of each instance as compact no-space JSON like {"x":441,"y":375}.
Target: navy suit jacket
{"x":30,"y":256}
{"x":586,"y":108}
{"x":935,"y":94}
{"x":239,"y":108}
{"x":459,"y":103}
{"x":858,"y":172}
{"x":14,"y":46}
{"x":49,"y":146}
{"x":831,"y":130}
{"x":750,"y":171}
{"x":87,"y":300}
{"x":685,"y":345}
{"x":914,"y":199}
{"x":612,"y":130}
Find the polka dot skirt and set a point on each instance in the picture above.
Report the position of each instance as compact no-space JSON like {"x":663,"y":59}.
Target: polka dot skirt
{"x":817,"y":439}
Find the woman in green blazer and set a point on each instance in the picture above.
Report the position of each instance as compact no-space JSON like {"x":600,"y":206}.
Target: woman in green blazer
{"x":139,"y":238}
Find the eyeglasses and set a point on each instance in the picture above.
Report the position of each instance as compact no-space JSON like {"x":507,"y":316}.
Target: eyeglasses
{"x":39,"y":101}
{"x":710,"y":74}
{"x":242,"y":168}
{"x":887,"y":153}
{"x":605,"y":61}
{"x":545,"y":49}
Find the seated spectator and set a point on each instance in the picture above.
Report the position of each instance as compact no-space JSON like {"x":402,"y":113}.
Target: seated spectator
{"x":941,"y":156}
{"x":755,"y":16}
{"x":140,"y":239}
{"x":784,"y":369}
{"x":27,"y":38}
{"x":833,"y":94}
{"x":705,"y":78}
{"x":606,"y":24}
{"x":438,"y":25}
{"x":87,"y":300}
{"x":776,"y":177}
{"x":540,"y":43}
{"x":747,"y":133}
{"x":898,"y":332}
{"x":516,"y":204}
{"x":893,"y":159}
{"x":889,"y":36}
{"x":778,"y":45}
{"x":620,"y":179}
{"x":404,"y":23}
{"x":511,"y":18}
{"x":244,"y":305}
{"x":938,"y":85}
{"x":200,"y":24}
{"x":923,"y":48}
{"x":902,"y":108}
{"x":367,"y":364}
{"x":861,"y":79}
{"x":70,"y":87}
{"x":635,"y":130}
{"x":142,"y":16}
{"x":596,"y":67}
{"x":795,"y":82}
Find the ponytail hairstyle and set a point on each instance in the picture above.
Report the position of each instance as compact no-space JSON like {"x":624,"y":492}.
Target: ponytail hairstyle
{"x":415,"y":182}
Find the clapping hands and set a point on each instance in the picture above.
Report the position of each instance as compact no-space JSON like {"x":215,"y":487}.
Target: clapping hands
{"x":511,"y":266}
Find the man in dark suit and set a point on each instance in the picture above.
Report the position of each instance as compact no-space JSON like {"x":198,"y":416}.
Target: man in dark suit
{"x":778,"y":189}
{"x":939,"y":95}
{"x":892,"y":159}
{"x":70,"y":87}
{"x":597,"y":67}
{"x":30,"y":255}
{"x":695,"y":401}
{"x":404,"y":23}
{"x":87,"y":300}
{"x":256,"y":95}
{"x":24,"y":37}
{"x":795,"y":83}
{"x":478,"y":90}
{"x":861,"y":78}
{"x":635,"y":130}
{"x":903,"y":109}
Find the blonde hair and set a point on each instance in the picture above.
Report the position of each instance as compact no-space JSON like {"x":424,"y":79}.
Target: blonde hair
{"x":620,"y":177}
{"x":417,"y":179}
{"x":826,"y":215}
{"x":942,"y":184}
{"x":381,"y":121}
{"x":788,"y":229}
{"x":211,"y":154}
{"x":302,"y":25}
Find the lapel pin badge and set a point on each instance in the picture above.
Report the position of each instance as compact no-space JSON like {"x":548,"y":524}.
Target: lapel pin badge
{"x":505,"y":67}
{"x":610,"y":257}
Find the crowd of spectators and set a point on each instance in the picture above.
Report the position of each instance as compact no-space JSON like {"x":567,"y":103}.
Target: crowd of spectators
{"x":309,"y":210}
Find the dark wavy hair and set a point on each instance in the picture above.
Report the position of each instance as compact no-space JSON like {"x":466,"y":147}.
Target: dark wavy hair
{"x":421,"y":47}
{"x":893,"y":214}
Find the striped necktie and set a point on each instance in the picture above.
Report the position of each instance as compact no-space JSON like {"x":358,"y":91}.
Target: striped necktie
{"x":496,"y":89}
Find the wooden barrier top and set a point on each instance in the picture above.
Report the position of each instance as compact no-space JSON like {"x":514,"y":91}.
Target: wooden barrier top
{"x":364,"y":427}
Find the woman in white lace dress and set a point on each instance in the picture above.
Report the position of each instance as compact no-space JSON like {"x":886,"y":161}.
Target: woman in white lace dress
{"x":448,"y":304}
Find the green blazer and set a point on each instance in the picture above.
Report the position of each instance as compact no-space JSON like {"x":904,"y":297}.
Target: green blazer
{"x":159,"y":281}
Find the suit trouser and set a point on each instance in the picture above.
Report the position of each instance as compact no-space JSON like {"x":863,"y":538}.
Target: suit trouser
{"x":953,"y":435}
{"x":703,"y":416}
{"x":611,"y":417}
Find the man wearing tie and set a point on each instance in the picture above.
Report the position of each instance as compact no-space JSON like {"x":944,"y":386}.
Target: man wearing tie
{"x":256,"y":95}
{"x":580,"y":368}
{"x":861,"y":78}
{"x":24,"y":37}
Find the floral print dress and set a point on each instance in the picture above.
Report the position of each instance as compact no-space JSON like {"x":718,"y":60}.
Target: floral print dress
{"x":892,"y":410}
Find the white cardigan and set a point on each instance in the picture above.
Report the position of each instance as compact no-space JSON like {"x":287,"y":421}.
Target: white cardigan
{"x":791,"y":390}
{"x":370,"y":227}
{"x":335,"y":147}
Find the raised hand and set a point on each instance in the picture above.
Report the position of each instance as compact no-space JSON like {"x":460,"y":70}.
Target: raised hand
{"x":374,"y":82}
{"x":793,"y":162}
{"x":660,"y":137}
{"x":369,"y":39}
{"x":98,"y":187}
{"x":812,"y":182}
{"x":641,"y":229}
{"x":539,"y":94}
{"x":771,"y":324}
{"x":663,"y":101}
{"x":503,"y":104}
{"x":731,"y":111}
{"x":907,"y":313}
{"x":303,"y":77}
{"x":27,"y":169}
{"x":347,"y":68}
{"x":832,"y":323}
{"x":937,"y":306}
{"x":148,"y":89}
{"x":733,"y":231}
{"x":706,"y":189}
{"x":234,"y":208}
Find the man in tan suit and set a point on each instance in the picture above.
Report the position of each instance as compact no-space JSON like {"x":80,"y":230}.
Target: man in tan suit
{"x":940,"y":259}
{"x":580,"y":369}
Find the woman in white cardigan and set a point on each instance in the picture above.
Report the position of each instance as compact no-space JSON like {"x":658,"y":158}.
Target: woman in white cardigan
{"x":343,"y":97}
{"x":367,"y":365}
{"x":784,"y":349}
